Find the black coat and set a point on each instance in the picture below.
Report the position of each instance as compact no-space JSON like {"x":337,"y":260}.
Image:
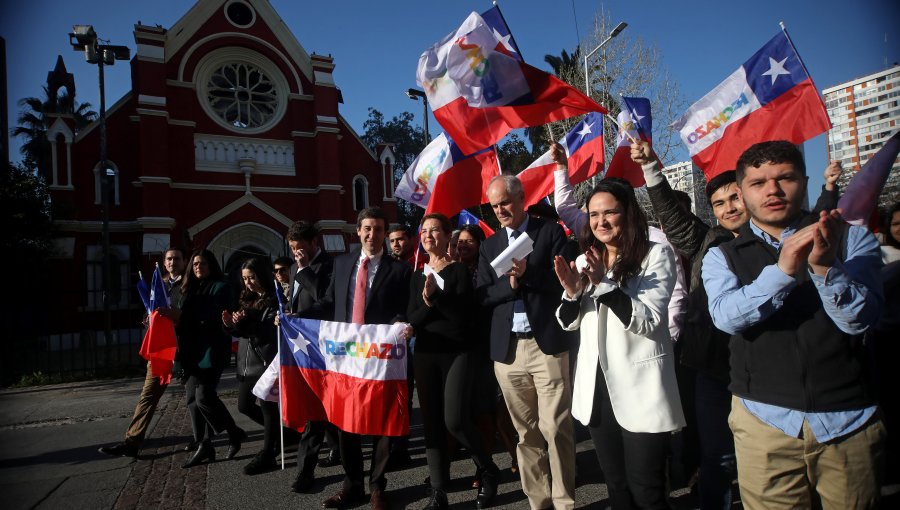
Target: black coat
{"x":312,"y":283}
{"x":539,"y":288}
{"x":200,"y":326}
{"x":387,"y":299}
{"x":258,"y":344}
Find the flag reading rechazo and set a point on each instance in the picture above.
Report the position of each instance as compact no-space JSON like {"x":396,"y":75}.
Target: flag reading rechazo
{"x":351,"y":375}
{"x":584,"y":147}
{"x":861,"y":196}
{"x":635,"y":121}
{"x":480,"y":89}
{"x":160,"y":343}
{"x":442,"y":179}
{"x":770,"y":97}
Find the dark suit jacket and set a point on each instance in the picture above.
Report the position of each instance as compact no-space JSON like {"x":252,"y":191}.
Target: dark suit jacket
{"x":387,"y":298}
{"x":539,"y":288}
{"x":313,"y":283}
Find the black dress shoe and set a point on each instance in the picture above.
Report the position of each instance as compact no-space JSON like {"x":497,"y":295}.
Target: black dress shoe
{"x":263,"y":462}
{"x":438,"y":501}
{"x":332,"y":459}
{"x":204,"y":451}
{"x":488,"y":490}
{"x":235,"y":438}
{"x":120,"y":450}
{"x":345,"y":498}
{"x":191,"y":446}
{"x":303,"y":484}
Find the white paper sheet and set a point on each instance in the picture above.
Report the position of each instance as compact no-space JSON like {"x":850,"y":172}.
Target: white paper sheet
{"x":519,"y":249}
{"x":437,"y":278}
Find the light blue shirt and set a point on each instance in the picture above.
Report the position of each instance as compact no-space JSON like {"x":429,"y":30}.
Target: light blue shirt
{"x":520,"y":322}
{"x":851,"y":295}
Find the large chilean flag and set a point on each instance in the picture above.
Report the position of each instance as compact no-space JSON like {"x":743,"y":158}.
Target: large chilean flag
{"x":351,"y":375}
{"x":480,"y":89}
{"x":770,"y":97}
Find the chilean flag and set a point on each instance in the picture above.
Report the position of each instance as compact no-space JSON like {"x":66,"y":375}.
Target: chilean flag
{"x":467,"y":218}
{"x":861,"y":196}
{"x":770,"y":97}
{"x":442,"y":179}
{"x":480,"y":89}
{"x":160,"y":343}
{"x":351,"y":375}
{"x":584,"y":147}
{"x":635,"y":120}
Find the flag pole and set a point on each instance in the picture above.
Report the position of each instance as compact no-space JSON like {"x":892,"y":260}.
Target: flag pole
{"x":280,"y":389}
{"x":805,"y":70}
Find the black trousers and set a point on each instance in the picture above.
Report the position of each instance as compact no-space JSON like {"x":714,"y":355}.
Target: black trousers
{"x":352,"y":460}
{"x":265,"y":413}
{"x":311,"y":441}
{"x":633,"y":463}
{"x":718,"y":466}
{"x":445,"y":382}
{"x":209,"y":416}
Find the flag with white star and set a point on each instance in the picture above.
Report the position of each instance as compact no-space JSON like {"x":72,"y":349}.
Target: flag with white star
{"x":770,"y":97}
{"x":635,"y":122}
{"x":584,"y":147}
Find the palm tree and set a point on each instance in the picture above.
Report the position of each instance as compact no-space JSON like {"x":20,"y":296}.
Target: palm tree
{"x":564,"y":64}
{"x":33,"y":123}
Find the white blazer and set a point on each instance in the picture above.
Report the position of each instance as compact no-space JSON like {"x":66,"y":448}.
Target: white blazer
{"x":638,"y":360}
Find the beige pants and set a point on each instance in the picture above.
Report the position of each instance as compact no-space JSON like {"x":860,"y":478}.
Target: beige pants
{"x":143,"y":411}
{"x":538,"y":393}
{"x":778,"y":471}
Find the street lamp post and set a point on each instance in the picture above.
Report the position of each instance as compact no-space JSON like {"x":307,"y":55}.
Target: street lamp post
{"x":414,"y":94}
{"x":587,"y":82}
{"x":84,"y":38}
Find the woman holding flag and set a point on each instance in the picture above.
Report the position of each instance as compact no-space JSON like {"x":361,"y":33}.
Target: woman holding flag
{"x":204,"y":350}
{"x":617,"y":294}
{"x":254,"y":323}
{"x":441,"y":311}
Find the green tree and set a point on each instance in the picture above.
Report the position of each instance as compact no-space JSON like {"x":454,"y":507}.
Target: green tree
{"x":513,"y":155}
{"x":408,"y":141}
{"x":34,"y":122}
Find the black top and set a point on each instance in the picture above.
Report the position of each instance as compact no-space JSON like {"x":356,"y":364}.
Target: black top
{"x":200,"y":327}
{"x":447,"y":325}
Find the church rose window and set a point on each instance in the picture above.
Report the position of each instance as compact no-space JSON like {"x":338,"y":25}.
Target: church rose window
{"x":242,"y":95}
{"x":242,"y":90}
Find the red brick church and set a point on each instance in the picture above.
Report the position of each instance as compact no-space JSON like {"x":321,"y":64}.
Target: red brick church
{"x":231,"y":131}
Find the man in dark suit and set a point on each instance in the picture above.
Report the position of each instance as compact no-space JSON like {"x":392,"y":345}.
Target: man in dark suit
{"x":529,"y":348}
{"x":368,"y":286}
{"x":308,"y":283}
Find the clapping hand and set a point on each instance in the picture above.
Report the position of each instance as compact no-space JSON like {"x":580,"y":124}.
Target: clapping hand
{"x":595,"y":268}
{"x":572,"y":282}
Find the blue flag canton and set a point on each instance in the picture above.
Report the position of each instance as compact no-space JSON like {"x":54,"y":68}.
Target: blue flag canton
{"x":456,"y":154}
{"x":774,"y":69}
{"x":590,"y":128}
{"x":280,"y":295}
{"x":639,"y":109}
{"x":494,"y":19}
{"x":300,"y":345}
{"x":159,"y":295}
{"x":467,"y":218}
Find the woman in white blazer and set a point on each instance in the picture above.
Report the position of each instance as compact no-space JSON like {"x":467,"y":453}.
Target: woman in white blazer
{"x":617,"y":294}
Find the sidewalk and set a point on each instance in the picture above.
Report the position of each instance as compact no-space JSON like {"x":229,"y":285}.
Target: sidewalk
{"x":48,"y":459}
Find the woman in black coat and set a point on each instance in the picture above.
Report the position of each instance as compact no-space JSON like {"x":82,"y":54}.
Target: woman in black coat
{"x":441,"y":310}
{"x":205,"y":350}
{"x":254,"y":323}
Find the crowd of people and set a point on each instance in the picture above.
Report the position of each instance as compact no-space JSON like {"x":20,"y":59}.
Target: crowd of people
{"x":760,"y":339}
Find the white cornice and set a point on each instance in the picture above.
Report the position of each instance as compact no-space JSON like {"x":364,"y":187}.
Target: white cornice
{"x":356,"y":135}
{"x":234,"y":206}
{"x":109,"y":113}
{"x":156,"y":222}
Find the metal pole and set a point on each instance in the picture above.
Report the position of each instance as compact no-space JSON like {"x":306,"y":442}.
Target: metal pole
{"x":104,"y":200}
{"x":427,"y":133}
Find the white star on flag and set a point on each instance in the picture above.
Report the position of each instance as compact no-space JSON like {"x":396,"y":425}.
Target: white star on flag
{"x":504,"y":40}
{"x":585,"y":130}
{"x":636,"y":118}
{"x":776,"y":69}
{"x":300,"y":343}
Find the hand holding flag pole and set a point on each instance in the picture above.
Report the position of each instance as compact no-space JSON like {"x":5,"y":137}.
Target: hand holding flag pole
{"x":615,"y":123}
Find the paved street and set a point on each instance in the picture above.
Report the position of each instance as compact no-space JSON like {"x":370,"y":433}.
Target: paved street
{"x":49,"y":437}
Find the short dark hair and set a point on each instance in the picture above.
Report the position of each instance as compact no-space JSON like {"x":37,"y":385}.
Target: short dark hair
{"x":723,"y":179}
{"x":474,"y":231}
{"x":283,"y":261}
{"x":302,"y":231}
{"x":443,"y":220}
{"x":371,"y":213}
{"x":401,"y":228}
{"x":773,"y":152}
{"x":174,"y":248}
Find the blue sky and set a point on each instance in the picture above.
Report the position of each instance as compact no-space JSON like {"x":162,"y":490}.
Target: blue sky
{"x":376,"y":44}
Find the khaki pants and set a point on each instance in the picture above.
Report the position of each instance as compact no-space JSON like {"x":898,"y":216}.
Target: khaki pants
{"x":143,"y":411}
{"x":778,"y":471}
{"x":538,"y":393}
